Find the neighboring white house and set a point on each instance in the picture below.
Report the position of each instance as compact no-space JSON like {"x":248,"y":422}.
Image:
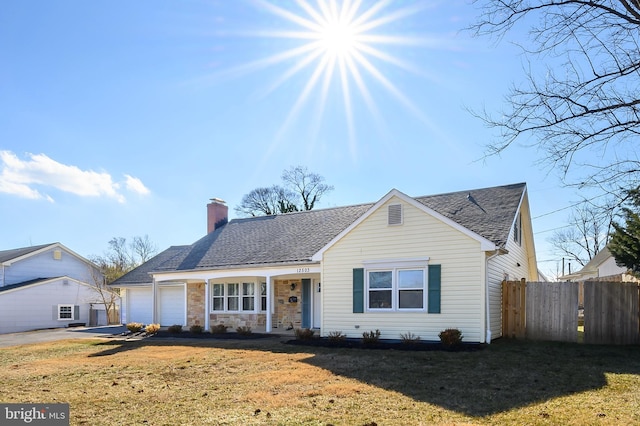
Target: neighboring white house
{"x":48,"y":286}
{"x":602,"y":265}
{"x":402,"y":264}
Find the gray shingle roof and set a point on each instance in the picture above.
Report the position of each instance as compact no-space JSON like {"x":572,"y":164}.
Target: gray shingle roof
{"x":140,"y":275}
{"x":489,"y":212}
{"x":296,"y":237}
{"x":6,"y":255}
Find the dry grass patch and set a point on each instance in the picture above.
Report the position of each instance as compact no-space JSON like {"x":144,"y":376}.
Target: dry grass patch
{"x":168,"y":382}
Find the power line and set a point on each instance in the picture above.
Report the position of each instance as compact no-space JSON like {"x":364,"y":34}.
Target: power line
{"x":569,"y":206}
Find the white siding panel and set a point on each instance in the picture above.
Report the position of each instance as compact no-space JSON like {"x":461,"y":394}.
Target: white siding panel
{"x":43,"y":265}
{"x":35,"y":307}
{"x":420,"y":235}
{"x":171,"y":305}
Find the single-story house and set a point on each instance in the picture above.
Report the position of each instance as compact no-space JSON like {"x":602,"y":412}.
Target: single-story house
{"x":402,"y":264}
{"x":48,"y":286}
{"x":601,"y":266}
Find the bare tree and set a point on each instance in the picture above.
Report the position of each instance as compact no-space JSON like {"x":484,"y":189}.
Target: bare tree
{"x":267,"y":201}
{"x":108,"y":296}
{"x":301,"y":191}
{"x":121,"y":257}
{"x":309,"y":186}
{"x":587,"y":234}
{"x":583,"y":110}
{"x":143,"y":249}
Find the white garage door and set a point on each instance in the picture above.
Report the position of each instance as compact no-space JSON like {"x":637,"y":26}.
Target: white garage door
{"x":139,"y":305}
{"x":171,"y":309}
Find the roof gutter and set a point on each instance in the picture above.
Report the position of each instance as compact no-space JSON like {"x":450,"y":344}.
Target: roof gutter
{"x":498,"y":251}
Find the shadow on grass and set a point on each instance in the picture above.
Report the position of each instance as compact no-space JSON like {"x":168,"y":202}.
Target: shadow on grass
{"x":505,"y":375}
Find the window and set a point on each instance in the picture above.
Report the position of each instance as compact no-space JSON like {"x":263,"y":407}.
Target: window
{"x":218,"y":297}
{"x":248,"y":299}
{"x":236,"y":297}
{"x":396,"y":289}
{"x":263,"y":296}
{"x":517,"y":230}
{"x":65,"y":312}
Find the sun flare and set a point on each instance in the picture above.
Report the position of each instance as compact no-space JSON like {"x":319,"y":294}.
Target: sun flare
{"x":341,"y":42}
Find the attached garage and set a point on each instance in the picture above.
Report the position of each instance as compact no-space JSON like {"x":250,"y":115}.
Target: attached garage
{"x":139,"y":305}
{"x":172,"y":305}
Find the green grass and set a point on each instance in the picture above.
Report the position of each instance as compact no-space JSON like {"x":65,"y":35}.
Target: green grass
{"x":169,"y":382}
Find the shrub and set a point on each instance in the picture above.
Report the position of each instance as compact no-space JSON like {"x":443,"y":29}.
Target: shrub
{"x":175,"y":329}
{"x":244,"y":330}
{"x":450,"y":337}
{"x":409,"y":338}
{"x":304,"y":333}
{"x":369,"y":337}
{"x":196,"y":329}
{"x":219,"y":329}
{"x":134,"y":327}
{"x":336,"y":336}
{"x":152,"y":328}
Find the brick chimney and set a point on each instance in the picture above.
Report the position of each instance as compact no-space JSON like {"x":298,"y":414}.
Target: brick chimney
{"x":217,"y":214}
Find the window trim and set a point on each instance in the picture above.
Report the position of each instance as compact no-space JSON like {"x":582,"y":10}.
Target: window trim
{"x":72,"y":308}
{"x":238,"y":295}
{"x":394,"y":266}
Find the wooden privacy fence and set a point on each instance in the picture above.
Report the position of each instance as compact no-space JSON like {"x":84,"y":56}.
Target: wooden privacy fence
{"x":549,"y":311}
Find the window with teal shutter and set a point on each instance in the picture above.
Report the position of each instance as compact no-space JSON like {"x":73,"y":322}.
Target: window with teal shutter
{"x":434,"y":289}
{"x":358,"y":290}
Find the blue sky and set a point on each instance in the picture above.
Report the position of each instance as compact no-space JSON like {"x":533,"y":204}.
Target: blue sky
{"x":120,"y":119}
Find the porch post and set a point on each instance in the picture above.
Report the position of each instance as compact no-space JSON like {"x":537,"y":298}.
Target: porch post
{"x":154,"y":289}
{"x":206,"y":305}
{"x":269,"y":304}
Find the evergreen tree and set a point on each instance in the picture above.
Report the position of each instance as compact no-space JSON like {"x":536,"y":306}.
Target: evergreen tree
{"x":625,"y":241}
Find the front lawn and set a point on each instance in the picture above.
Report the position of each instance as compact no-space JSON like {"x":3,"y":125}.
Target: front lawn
{"x":263,"y":381}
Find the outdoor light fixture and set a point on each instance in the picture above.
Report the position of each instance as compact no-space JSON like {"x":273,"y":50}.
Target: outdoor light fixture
{"x":293,"y":286}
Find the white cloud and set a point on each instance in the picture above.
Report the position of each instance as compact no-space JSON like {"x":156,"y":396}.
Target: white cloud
{"x":27,"y":178}
{"x":135,"y":185}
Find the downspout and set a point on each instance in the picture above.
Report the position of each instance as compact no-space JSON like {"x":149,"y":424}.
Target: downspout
{"x":486,"y":293}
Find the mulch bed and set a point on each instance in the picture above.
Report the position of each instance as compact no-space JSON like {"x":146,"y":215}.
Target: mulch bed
{"x":327,"y":343}
{"x":359,"y":344}
{"x":207,"y":335}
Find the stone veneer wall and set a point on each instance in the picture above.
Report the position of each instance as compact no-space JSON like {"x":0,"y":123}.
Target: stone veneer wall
{"x":195,"y":304}
{"x":286,"y":314}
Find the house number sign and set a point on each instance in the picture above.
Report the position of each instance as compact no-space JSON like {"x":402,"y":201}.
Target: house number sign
{"x":302,"y":270}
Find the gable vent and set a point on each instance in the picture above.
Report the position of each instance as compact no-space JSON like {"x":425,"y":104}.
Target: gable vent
{"x":395,"y":214}
{"x":57,"y":254}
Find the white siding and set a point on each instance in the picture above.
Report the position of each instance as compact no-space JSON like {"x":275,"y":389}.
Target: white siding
{"x":420,"y":235}
{"x":609,"y":267}
{"x":43,"y":265}
{"x":35,"y":307}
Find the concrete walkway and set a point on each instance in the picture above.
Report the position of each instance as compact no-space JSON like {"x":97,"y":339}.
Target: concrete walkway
{"x":49,"y":335}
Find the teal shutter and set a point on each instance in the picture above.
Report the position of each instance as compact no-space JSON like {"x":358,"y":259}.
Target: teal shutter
{"x":358,"y":290}
{"x":434,"y":289}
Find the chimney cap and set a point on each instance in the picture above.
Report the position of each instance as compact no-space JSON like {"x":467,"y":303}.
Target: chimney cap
{"x":218,"y":200}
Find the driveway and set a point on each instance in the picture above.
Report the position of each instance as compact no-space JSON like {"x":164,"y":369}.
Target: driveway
{"x":49,"y":335}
